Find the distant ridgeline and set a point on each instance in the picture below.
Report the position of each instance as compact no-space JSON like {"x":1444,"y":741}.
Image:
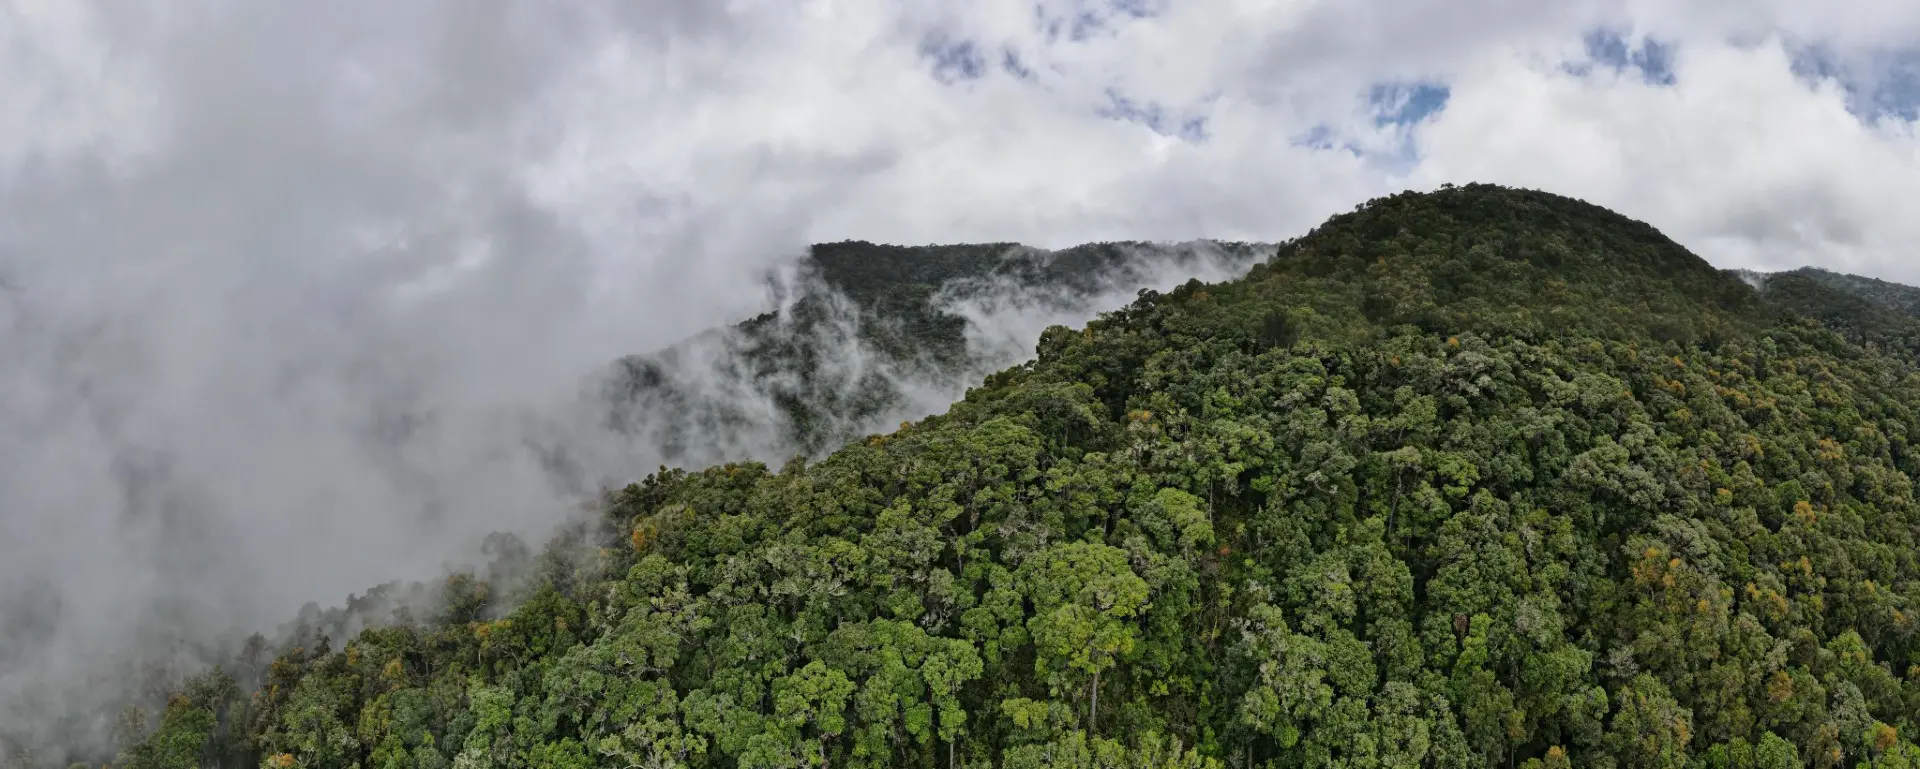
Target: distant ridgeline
{"x":1898,"y":298}
{"x":860,"y":324}
{"x":1473,"y":478}
{"x":1872,"y":313}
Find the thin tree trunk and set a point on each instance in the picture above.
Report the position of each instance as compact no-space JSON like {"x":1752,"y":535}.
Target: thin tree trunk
{"x":1093,"y":710}
{"x":1393,"y":511}
{"x":1211,"y":485}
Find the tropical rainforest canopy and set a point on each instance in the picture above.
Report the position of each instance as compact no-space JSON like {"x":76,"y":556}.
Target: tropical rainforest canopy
{"x":1478,"y":477}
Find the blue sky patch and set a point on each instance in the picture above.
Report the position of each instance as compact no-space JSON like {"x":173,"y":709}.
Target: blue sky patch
{"x":953,"y":60}
{"x":1880,"y":85}
{"x":1651,"y":58}
{"x":1191,"y":128}
{"x":1396,"y":107}
{"x":1194,"y":129}
{"x":1406,"y":103}
{"x":1011,"y":62}
{"x":1091,"y":17}
{"x":1899,"y":92}
{"x":1323,"y":137}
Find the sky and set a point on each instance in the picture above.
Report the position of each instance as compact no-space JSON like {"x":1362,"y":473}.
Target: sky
{"x":282,"y":285}
{"x":1762,"y":134}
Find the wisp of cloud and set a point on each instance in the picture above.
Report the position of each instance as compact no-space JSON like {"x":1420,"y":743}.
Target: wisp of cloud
{"x":286,"y":292}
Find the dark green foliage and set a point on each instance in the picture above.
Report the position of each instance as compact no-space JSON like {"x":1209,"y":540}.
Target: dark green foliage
{"x":1904,"y":300}
{"x":198,"y":728}
{"x":888,"y":302}
{"x":1872,"y":314}
{"x":1482,"y":477}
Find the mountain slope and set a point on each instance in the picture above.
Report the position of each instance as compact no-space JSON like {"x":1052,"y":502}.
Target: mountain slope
{"x":1471,"y":478}
{"x":1904,"y":300}
{"x":867,"y":335}
{"x":1868,"y":312}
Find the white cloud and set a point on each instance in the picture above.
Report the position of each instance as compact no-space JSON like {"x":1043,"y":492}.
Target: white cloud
{"x":1741,"y":159}
{"x":67,"y":93}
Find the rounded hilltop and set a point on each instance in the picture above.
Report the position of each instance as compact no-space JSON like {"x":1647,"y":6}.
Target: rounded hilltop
{"x":1487,"y":258}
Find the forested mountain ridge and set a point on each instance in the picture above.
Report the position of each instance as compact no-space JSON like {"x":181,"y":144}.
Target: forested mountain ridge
{"x":858,"y":324}
{"x":1896,"y":297}
{"x":1868,"y":312}
{"x":1469,"y":478}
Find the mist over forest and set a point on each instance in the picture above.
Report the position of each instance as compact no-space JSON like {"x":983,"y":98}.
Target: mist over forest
{"x":76,"y":652}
